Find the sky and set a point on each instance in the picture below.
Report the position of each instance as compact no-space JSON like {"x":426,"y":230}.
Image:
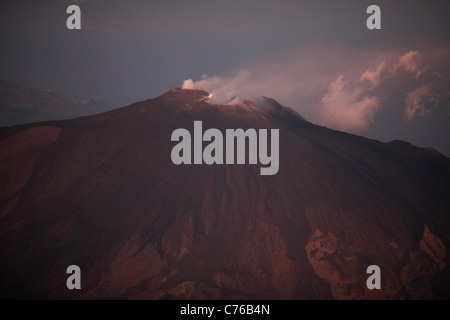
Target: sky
{"x":317,"y":57}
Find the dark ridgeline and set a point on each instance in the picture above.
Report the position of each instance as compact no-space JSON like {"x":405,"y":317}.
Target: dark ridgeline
{"x":102,"y":192}
{"x":20,"y":104}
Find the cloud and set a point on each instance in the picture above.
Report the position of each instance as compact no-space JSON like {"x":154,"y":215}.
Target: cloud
{"x":409,"y":62}
{"x":374,"y":77}
{"x":342,"y":88}
{"x":346,"y":108}
{"x":416,"y":100}
{"x":343,"y":106}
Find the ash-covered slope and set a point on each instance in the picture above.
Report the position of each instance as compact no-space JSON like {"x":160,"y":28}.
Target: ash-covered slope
{"x":102,"y":193}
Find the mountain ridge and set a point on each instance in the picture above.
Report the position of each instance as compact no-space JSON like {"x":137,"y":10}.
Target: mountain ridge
{"x":20,"y":104}
{"x":101,"y":192}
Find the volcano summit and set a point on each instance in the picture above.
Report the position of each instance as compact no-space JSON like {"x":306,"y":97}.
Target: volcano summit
{"x":101,"y":192}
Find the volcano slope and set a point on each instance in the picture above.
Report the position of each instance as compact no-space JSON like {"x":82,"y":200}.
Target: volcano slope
{"x":101,"y":192}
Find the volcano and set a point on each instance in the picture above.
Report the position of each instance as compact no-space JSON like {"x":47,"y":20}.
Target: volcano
{"x":102,"y":193}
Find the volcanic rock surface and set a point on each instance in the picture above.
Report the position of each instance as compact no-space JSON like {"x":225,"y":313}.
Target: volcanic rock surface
{"x":101,"y":192}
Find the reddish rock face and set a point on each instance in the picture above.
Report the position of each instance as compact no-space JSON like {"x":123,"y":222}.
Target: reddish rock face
{"x":102,"y":193}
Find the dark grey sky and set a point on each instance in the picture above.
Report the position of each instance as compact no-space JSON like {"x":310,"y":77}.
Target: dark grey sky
{"x":295,"y":51}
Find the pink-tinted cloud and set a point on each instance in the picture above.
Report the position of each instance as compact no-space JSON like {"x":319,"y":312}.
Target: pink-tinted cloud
{"x":373,"y":78}
{"x":333,"y":86}
{"x":409,"y":62}
{"x":345,"y":107}
{"x":416,"y":102}
{"x":323,"y":84}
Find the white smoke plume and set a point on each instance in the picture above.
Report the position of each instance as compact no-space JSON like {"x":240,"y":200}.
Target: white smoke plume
{"x":332,"y":86}
{"x":223,"y":90}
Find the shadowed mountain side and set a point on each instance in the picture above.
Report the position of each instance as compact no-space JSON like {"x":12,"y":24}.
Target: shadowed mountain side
{"x":101,"y":192}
